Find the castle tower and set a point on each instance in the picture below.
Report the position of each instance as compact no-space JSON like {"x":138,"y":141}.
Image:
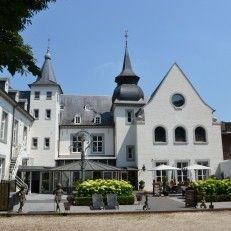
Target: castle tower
{"x":127,"y":98}
{"x":45,"y":107}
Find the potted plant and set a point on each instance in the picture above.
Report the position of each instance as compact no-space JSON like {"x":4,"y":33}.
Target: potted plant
{"x":141,"y":184}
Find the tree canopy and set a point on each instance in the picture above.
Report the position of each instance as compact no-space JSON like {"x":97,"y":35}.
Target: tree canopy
{"x":15,"y":15}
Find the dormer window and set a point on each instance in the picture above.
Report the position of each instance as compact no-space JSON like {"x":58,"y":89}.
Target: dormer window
{"x":98,"y":119}
{"x":77,"y":119}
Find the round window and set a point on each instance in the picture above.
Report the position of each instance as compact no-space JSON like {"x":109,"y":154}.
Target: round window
{"x":178,"y":100}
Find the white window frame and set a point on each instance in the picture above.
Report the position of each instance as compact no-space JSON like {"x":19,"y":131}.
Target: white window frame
{"x":25,"y":134}
{"x":96,"y":143}
{"x":160,"y":174}
{"x":45,"y":146}
{"x":77,"y":119}
{"x":202,"y":174}
{"x":98,"y":119}
{"x":1,"y":168}
{"x":130,"y":149}
{"x":49,"y":95}
{"x":46,"y":113}
{"x":15,"y":132}
{"x":36,"y":93}
{"x":32,"y":143}
{"x":36,"y":110}
{"x":76,"y":144}
{"x":182,"y":175}
{"x":4,"y":127}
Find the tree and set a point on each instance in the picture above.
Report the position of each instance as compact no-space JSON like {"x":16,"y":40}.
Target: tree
{"x":15,"y":15}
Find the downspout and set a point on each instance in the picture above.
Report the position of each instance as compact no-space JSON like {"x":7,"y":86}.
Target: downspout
{"x":12,"y":129}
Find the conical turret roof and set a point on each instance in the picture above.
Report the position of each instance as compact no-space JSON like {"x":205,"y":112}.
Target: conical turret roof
{"x":127,"y":75}
{"x":47,"y":76}
{"x":47,"y":73}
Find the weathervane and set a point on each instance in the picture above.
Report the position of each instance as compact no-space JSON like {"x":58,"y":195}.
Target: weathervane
{"x":126,"y":37}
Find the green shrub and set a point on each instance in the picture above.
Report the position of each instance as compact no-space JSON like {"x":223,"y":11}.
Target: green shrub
{"x":104,"y":187}
{"x":122,"y":200}
{"x":220,"y":190}
{"x":83,"y":201}
{"x":126,"y":200}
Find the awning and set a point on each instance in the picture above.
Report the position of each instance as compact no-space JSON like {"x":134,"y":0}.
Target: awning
{"x":89,"y":166}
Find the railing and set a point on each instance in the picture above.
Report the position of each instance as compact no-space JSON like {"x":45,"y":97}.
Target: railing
{"x":18,"y":160}
{"x":18,"y":155}
{"x":19,"y":183}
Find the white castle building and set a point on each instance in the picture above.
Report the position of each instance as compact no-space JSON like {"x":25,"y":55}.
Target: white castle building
{"x":129,"y":136}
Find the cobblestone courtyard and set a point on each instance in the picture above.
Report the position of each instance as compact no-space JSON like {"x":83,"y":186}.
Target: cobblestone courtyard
{"x":173,"y":221}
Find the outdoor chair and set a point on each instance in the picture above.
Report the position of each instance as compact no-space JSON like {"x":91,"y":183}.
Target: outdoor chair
{"x":97,"y":201}
{"x":112,"y":202}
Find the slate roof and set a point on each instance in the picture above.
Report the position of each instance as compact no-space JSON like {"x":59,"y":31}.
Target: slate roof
{"x":90,"y":166}
{"x":47,"y":73}
{"x":87,"y":107}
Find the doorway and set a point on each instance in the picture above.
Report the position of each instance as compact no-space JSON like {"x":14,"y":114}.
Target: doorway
{"x":35,"y":182}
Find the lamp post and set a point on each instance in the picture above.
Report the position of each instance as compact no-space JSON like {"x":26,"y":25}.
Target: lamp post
{"x":84,"y":136}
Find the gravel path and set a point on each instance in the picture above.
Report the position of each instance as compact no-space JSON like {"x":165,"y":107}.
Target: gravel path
{"x":218,"y":221}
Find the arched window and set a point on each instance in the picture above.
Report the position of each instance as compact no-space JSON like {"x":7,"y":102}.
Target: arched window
{"x":200,"y":134}
{"x":160,"y":134}
{"x":180,"y":134}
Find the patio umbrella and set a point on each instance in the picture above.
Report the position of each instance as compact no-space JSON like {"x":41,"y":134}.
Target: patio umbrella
{"x":196,"y":167}
{"x":164,"y":167}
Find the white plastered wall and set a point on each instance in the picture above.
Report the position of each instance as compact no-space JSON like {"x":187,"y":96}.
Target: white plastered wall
{"x":160,"y":112}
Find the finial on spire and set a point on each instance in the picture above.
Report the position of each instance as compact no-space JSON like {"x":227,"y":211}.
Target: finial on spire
{"x":48,"y":55}
{"x":126,"y":37}
{"x":48,"y":45}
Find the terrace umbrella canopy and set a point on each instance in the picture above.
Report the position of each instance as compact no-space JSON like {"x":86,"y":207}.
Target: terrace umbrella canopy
{"x":196,"y":167}
{"x":164,"y":167}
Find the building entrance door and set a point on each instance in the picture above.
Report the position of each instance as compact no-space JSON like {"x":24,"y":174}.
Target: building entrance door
{"x":35,"y":182}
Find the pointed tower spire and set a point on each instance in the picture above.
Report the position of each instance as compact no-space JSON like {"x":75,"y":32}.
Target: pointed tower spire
{"x":47,"y":76}
{"x":47,"y":73}
{"x":127,"y":88}
{"x":127,"y":74}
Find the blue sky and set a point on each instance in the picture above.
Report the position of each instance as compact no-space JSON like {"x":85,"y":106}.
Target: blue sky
{"x":87,"y":45}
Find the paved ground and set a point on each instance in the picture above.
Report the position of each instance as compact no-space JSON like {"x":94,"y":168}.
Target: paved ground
{"x":45,"y":203}
{"x":208,"y":221}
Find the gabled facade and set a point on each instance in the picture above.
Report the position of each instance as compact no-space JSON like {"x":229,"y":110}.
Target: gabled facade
{"x":178,"y":130}
{"x":130,"y":136}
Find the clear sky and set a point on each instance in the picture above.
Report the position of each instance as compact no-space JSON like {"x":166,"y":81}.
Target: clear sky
{"x":87,"y":45}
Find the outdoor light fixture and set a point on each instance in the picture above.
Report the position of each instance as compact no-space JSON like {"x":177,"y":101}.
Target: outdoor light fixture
{"x":143,"y":168}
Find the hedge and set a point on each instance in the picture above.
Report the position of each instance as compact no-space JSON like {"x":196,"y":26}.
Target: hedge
{"x":122,"y":200}
{"x":104,"y":187}
{"x":213,"y":189}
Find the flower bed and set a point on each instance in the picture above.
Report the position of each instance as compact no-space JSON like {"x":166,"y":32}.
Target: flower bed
{"x":104,"y":187}
{"x":121,"y":188}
